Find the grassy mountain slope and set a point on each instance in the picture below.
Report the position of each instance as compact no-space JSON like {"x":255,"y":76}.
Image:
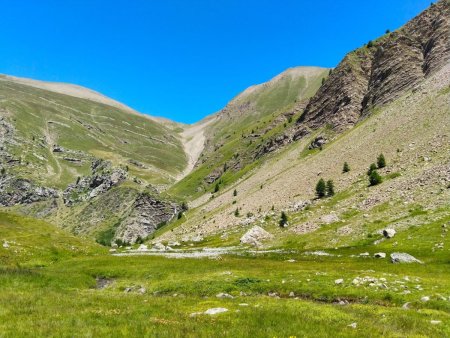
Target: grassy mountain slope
{"x":85,"y":129}
{"x":234,"y":135}
{"x":415,"y":143}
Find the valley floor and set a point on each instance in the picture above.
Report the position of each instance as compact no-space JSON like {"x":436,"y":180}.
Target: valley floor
{"x":53,"y":284}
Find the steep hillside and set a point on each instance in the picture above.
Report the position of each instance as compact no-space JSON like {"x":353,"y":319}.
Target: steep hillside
{"x":65,"y":150}
{"x":396,"y":104}
{"x":238,"y":135}
{"x":382,"y":71}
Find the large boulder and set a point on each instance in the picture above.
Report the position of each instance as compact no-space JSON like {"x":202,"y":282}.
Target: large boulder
{"x":401,"y":257}
{"x":255,"y":236}
{"x":389,"y":233}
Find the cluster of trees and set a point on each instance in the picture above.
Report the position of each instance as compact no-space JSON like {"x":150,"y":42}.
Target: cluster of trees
{"x":324,"y":189}
{"x":374,"y":177}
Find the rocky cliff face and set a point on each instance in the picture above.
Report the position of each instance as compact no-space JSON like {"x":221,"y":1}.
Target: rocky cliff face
{"x":103,"y":178}
{"x":147,"y":214}
{"x":382,"y":71}
{"x":21,"y":191}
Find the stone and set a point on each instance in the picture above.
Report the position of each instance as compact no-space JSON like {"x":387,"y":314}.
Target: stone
{"x":291,"y":294}
{"x":425,"y":299}
{"x":215,"y":311}
{"x":255,"y":236}
{"x":401,"y":257}
{"x":389,"y":233}
{"x":173,"y":243}
{"x":353,"y":325}
{"x":328,"y":219}
{"x":380,"y":255}
{"x":159,"y":247}
{"x":224,"y":295}
{"x":435,"y":322}
{"x":339,"y":281}
{"x":5,"y":244}
{"x":142,"y":247}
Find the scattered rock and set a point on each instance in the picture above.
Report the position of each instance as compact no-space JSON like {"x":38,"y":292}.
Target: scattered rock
{"x":380,"y":255}
{"x":401,"y":257}
{"x":389,"y":233}
{"x":353,"y":325}
{"x":173,"y":244}
{"x":435,"y":322}
{"x":224,"y":295}
{"x":425,"y":299}
{"x":328,"y":219}
{"x":159,"y":247}
{"x":215,"y":311}
{"x":318,"y":142}
{"x":142,"y":247}
{"x":339,"y":281}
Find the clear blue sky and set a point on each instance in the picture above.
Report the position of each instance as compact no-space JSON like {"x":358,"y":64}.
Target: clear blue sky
{"x":184,"y":59}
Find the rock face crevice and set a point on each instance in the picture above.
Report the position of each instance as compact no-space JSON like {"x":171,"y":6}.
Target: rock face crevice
{"x":382,"y":71}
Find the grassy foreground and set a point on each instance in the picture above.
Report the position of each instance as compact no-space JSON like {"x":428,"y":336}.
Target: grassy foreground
{"x":57,"y":285}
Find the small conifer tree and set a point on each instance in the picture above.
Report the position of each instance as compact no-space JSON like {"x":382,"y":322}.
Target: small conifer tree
{"x":330,"y":188}
{"x":321,"y":188}
{"x":375,"y":178}
{"x":236,"y":212}
{"x":283,"y":220}
{"x":235,"y":192}
{"x":346,"y":168}
{"x":372,"y":167}
{"x":381,"y":161}
{"x":217,"y":187}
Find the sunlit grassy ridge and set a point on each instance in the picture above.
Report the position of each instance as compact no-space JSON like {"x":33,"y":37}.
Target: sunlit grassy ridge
{"x":42,"y":119}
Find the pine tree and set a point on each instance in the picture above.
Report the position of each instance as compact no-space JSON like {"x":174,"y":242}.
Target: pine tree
{"x":283,"y":220}
{"x":381,"y":161}
{"x":321,"y":188}
{"x":346,"y":168}
{"x":217,"y":187}
{"x":236,"y":212}
{"x":330,"y":188}
{"x":372,"y":167}
{"x":235,"y":192}
{"x":375,"y":178}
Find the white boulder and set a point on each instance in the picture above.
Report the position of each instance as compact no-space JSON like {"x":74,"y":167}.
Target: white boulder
{"x":255,"y":236}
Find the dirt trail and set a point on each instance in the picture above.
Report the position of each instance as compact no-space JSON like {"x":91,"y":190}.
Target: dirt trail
{"x":193,"y":139}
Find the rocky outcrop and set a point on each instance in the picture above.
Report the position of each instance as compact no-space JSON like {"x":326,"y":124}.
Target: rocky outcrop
{"x":382,"y":71}
{"x":255,"y":236}
{"x":148,"y":213}
{"x":21,"y":191}
{"x":103,"y":178}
